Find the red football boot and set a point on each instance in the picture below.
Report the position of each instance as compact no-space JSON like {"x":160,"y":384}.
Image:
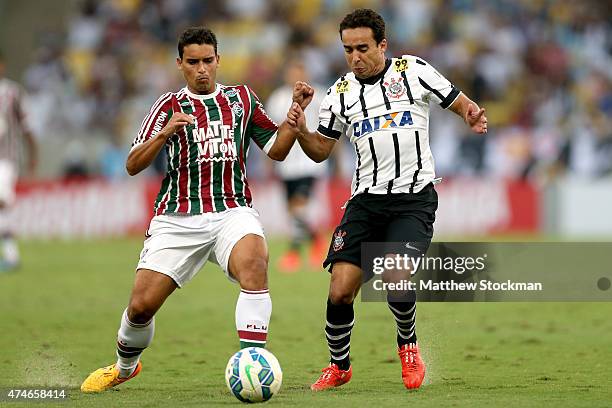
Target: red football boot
{"x":332,"y":377}
{"x":413,"y":368}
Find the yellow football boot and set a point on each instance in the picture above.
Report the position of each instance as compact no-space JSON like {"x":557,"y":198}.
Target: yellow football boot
{"x":106,"y":377}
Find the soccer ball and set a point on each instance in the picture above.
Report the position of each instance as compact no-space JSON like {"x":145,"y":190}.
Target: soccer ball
{"x":253,"y":375}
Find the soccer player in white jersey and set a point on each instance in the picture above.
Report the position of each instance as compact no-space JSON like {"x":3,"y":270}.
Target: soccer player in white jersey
{"x":13,"y":132}
{"x":203,"y":210}
{"x":298,"y":172}
{"x":382,"y":106}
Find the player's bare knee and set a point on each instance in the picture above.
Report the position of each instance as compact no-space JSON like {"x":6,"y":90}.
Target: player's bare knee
{"x":140,"y":311}
{"x":255,"y":281}
{"x":253,"y":273}
{"x":341,"y":296}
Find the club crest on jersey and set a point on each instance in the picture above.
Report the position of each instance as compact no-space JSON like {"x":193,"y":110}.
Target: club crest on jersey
{"x":395,"y":88}
{"x":339,"y":240}
{"x":386,"y":121}
{"x":237,"y":108}
{"x":215,"y":142}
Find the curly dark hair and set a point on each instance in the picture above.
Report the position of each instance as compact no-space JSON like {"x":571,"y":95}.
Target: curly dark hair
{"x":196,"y":35}
{"x":365,"y":18}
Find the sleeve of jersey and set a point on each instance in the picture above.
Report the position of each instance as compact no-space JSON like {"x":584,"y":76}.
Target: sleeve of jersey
{"x":156,"y":119}
{"x":262,"y":127}
{"x":329,"y":124}
{"x":438,"y":88}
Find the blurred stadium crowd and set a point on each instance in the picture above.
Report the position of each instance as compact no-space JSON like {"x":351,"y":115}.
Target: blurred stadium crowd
{"x":543,"y":70}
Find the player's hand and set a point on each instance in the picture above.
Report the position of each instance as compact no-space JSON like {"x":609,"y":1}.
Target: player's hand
{"x":476,"y":119}
{"x":296,"y":118}
{"x":302,"y":94}
{"x":177,"y":121}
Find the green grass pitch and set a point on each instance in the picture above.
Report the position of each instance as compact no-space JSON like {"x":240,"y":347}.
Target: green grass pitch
{"x":59,"y":316}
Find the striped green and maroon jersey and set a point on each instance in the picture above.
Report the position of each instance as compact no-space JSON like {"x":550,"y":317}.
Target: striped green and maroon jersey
{"x":206,"y":160}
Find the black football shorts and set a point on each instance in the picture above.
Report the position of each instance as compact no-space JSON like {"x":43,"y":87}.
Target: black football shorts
{"x":383,"y":218}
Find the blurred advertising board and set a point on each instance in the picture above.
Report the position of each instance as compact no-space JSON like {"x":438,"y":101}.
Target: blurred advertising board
{"x":98,"y":208}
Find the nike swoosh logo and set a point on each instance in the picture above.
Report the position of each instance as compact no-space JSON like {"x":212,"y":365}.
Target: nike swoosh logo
{"x":409,"y":246}
{"x":247,"y":370}
{"x":349,"y":107}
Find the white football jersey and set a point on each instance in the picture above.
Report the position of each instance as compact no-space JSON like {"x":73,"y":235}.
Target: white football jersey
{"x":386,"y":117}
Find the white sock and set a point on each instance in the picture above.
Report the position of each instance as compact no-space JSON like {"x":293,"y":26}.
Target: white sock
{"x":253,"y":310}
{"x":132,"y":339}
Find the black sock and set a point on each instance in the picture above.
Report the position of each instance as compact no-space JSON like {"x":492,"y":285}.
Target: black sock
{"x":340,"y":321}
{"x":405,"y":318}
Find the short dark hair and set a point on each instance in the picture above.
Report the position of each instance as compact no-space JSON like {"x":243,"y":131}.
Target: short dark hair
{"x":365,"y":18}
{"x":196,"y":35}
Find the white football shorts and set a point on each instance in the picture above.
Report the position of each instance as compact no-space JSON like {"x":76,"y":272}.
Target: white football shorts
{"x":8,"y":182}
{"x":180,"y":245}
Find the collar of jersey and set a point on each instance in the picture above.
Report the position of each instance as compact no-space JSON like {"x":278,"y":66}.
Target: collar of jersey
{"x":373,"y":79}
{"x":202,"y":97}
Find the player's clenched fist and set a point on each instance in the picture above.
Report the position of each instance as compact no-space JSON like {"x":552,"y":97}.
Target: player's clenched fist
{"x":177,"y":121}
{"x":302,"y":93}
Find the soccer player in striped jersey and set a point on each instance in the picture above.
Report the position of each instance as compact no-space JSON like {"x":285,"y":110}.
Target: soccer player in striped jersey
{"x":13,"y":132}
{"x":203,"y":209}
{"x":382,"y":106}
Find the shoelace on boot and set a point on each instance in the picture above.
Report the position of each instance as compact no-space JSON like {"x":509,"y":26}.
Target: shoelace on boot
{"x":409,"y":356}
{"x":328,"y":372}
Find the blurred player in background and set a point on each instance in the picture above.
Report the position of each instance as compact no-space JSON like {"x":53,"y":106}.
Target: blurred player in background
{"x":298,"y":172}
{"x":382,"y":105}
{"x":13,"y":132}
{"x":203,"y":210}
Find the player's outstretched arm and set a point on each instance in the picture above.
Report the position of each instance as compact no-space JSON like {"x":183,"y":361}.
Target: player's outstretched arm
{"x":316,"y":147}
{"x":285,"y":139}
{"x":472,"y":115}
{"x":302,"y":96}
{"x":142,"y":155}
